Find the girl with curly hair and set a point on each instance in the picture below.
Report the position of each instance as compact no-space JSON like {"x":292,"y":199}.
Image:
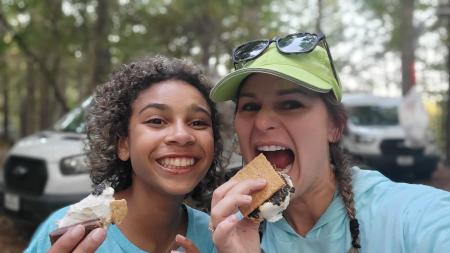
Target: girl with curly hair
{"x":153,"y":134}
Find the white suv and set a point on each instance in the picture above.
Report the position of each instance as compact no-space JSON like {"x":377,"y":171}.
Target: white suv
{"x":375,"y":137}
{"x":47,"y":170}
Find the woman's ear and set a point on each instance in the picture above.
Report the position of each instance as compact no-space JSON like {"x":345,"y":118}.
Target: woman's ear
{"x":123,"y":151}
{"x":334,"y":133}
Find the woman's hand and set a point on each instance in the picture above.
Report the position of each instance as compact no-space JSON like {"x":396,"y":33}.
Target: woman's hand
{"x":231,"y":234}
{"x":72,"y":241}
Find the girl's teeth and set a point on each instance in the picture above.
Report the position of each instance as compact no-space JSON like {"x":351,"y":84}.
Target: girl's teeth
{"x":270,"y":148}
{"x":177,"y":162}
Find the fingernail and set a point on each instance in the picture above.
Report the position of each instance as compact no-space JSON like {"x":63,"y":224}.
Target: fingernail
{"x":179,"y":238}
{"x":77,"y":231}
{"x":98,"y":234}
{"x":238,"y":216}
{"x":247,"y":198}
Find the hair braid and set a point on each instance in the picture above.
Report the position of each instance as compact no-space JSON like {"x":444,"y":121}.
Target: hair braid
{"x":342,"y":167}
{"x":344,"y":181}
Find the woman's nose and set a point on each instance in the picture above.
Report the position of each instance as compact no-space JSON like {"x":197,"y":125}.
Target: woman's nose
{"x":266,"y":120}
{"x":180,"y":134}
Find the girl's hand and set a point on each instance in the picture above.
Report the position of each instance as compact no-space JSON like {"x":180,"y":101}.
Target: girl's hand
{"x":231,"y":234}
{"x":72,"y":241}
{"x":186,"y":244}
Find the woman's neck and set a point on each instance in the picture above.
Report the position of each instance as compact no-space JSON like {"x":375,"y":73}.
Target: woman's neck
{"x":148,"y":213}
{"x":304,"y":212}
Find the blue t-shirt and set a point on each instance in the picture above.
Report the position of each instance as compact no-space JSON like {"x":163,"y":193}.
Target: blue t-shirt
{"x":197,"y":232}
{"x":393,"y":218}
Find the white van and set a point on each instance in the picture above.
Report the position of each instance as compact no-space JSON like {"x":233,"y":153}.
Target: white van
{"x":375,"y":137}
{"x":47,"y":170}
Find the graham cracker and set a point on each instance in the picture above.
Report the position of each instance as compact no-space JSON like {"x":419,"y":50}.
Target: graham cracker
{"x":118,"y":210}
{"x":259,"y":167}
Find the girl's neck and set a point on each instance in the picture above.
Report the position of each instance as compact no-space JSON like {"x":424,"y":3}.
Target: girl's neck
{"x":148,"y":213}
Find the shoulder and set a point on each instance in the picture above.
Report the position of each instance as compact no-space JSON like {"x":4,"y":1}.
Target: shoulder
{"x":417,"y":212}
{"x":371,"y":187}
{"x":40,"y":241}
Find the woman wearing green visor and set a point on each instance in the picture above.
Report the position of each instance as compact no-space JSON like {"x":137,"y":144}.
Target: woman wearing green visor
{"x":288,"y":97}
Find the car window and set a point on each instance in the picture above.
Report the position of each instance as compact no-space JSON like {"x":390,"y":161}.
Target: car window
{"x":74,"y":120}
{"x":373,"y":115}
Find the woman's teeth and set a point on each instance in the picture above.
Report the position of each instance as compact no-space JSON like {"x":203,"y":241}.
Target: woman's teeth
{"x":287,"y":169}
{"x":177,"y":162}
{"x":270,"y":148}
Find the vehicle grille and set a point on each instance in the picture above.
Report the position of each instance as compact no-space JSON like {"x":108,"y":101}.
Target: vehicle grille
{"x":397,"y":147}
{"x":25,"y":175}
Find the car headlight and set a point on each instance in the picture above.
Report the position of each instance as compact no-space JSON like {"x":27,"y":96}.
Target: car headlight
{"x":364,"y":139}
{"x":74,"y":165}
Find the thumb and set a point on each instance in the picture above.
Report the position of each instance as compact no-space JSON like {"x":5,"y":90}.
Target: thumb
{"x":186,"y":244}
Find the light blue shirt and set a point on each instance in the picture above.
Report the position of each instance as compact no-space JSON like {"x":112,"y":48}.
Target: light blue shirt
{"x":393,"y":218}
{"x":197,"y":232}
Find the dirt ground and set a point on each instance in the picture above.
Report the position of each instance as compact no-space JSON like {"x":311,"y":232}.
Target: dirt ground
{"x":15,"y":236}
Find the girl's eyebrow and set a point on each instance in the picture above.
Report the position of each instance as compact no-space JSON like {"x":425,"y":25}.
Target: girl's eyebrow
{"x":158,"y":106}
{"x":163,"y":107}
{"x":198,"y":108}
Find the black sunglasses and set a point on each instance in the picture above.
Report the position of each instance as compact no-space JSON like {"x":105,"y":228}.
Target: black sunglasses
{"x":296,"y":43}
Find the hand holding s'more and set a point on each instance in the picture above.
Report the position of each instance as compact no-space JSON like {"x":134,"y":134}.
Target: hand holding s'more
{"x":269,"y":202}
{"x":97,"y":210}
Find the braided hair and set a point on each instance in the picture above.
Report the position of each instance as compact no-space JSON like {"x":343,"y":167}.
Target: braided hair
{"x":342,"y":170}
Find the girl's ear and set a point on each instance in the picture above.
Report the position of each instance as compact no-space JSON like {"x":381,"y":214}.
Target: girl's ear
{"x":123,"y":151}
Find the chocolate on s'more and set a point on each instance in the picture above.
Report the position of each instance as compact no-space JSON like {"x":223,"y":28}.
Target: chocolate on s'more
{"x":260,"y":167}
{"x":89,"y":225}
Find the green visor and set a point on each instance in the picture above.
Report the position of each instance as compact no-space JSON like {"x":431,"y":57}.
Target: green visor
{"x":310,"y":70}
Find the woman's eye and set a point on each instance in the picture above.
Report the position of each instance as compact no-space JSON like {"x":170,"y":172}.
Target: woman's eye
{"x":249,"y":107}
{"x":290,"y":104}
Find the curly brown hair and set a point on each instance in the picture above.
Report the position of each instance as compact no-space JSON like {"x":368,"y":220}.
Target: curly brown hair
{"x":111,"y":108}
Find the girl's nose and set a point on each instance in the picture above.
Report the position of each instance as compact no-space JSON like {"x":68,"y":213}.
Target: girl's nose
{"x":180,"y":135}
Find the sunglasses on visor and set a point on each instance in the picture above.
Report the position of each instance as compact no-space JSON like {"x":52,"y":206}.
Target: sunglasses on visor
{"x":296,"y":43}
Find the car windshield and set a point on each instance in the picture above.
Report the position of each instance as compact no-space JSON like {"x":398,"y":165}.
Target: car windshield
{"x":373,"y":115}
{"x":73,"y":121}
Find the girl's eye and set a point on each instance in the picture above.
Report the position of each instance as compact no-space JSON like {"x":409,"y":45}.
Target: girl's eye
{"x":200,"y":124}
{"x":155,"y":122}
{"x":290,"y":104}
{"x":249,"y":107}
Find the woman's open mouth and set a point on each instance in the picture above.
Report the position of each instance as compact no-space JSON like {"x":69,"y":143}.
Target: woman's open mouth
{"x":280,"y":157}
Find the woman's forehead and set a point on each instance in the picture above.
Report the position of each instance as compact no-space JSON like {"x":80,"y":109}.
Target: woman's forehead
{"x":270,"y":84}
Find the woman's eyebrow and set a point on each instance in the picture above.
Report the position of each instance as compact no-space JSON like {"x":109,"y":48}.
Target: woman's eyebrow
{"x":291,"y":91}
{"x":246,"y":94}
{"x":158,"y":106}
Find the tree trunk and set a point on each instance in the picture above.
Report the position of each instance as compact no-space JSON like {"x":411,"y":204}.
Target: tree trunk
{"x":5,"y":92}
{"x":447,"y":121}
{"x":319,"y":16}
{"x":101,"y":57}
{"x":408,"y":45}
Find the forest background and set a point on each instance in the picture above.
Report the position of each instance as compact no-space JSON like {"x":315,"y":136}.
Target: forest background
{"x":54,"y":52}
